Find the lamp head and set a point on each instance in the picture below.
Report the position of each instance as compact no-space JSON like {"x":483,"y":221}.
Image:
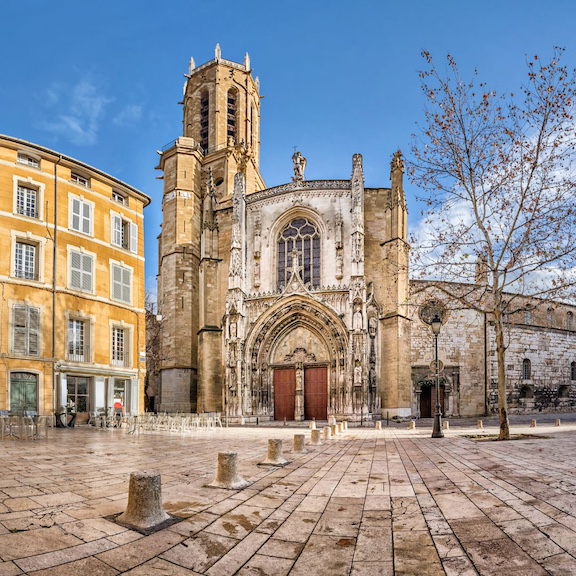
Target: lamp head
{"x":436,"y":324}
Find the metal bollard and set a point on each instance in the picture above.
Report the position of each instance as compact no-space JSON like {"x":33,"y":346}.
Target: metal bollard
{"x":144,"y":509}
{"x":227,"y":474}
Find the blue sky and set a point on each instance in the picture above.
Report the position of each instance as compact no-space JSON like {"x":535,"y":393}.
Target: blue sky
{"x":100,"y":80}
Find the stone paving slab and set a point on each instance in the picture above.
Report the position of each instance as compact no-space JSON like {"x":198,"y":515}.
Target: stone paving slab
{"x":370,"y":502}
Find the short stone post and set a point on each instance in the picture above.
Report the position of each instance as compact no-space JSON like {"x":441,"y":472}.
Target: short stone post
{"x":275,"y":457}
{"x":331,"y":420}
{"x":339,"y":429}
{"x":315,"y":438}
{"x":480,"y":424}
{"x":326,"y":433}
{"x":313,"y":425}
{"x":333,"y":430}
{"x":532,"y":423}
{"x":378,"y":425}
{"x":144,"y":509}
{"x":445,"y":425}
{"x":345,"y":424}
{"x":298,"y":446}
{"x":412,"y":425}
{"x":557,"y":423}
{"x":227,"y":474}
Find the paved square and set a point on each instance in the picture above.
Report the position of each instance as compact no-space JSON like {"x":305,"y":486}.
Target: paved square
{"x":369,"y":502}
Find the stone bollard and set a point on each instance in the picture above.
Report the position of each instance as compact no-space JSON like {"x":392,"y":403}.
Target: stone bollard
{"x":532,"y":423}
{"x":315,"y":437}
{"x":378,"y":425}
{"x":227,"y":474}
{"x":144,"y":509}
{"x":326,"y":433}
{"x":557,"y":423}
{"x":313,"y":425}
{"x":412,"y":425}
{"x":298,"y":446}
{"x":345,"y":424}
{"x":339,"y":428}
{"x":445,"y":425}
{"x":275,"y":457}
{"x":480,"y":424}
{"x":331,"y":420}
{"x":333,"y":430}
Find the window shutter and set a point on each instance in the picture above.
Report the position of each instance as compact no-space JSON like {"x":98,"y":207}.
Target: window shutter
{"x":133,"y":238}
{"x":75,"y":220}
{"x":86,"y":217}
{"x":87,"y":273}
{"x":116,"y":230}
{"x":19,"y":329}
{"x":34,"y":332}
{"x":117,"y":283}
{"x":76,"y":270}
{"x":126,"y":286}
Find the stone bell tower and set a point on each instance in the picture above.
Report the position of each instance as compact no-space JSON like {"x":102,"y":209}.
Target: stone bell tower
{"x":221,"y":138}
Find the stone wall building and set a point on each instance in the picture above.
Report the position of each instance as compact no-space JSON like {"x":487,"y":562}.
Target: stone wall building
{"x":285,"y":302}
{"x":72,"y":284}
{"x":293,"y":301}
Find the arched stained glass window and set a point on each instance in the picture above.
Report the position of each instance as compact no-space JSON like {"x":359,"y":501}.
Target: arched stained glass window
{"x":302,"y":236}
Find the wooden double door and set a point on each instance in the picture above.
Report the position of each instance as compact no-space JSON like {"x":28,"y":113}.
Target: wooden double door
{"x":315,"y":393}
{"x":428,"y":401}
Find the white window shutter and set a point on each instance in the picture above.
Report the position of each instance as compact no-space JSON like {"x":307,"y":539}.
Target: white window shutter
{"x":76,"y":270}
{"x":87,"y":273}
{"x":116,"y":283}
{"x":133,"y":238}
{"x":86,"y":218}
{"x":75,"y":209}
{"x":116,"y":230}
{"x":127,"y":286}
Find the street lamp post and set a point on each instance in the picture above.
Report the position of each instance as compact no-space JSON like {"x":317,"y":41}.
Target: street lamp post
{"x":436,"y":324}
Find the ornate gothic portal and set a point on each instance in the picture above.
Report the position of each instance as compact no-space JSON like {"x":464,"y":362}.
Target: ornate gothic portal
{"x":296,"y":365}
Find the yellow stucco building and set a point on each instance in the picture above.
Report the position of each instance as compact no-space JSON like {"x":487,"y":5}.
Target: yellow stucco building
{"x":72,"y":325}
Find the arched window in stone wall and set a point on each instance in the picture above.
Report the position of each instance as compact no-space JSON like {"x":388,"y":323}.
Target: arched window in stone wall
{"x":550,"y":317}
{"x":204,"y":120}
{"x":573,"y":371}
{"x":569,"y":320}
{"x":231,"y":103}
{"x":526,"y":369}
{"x":302,"y":236}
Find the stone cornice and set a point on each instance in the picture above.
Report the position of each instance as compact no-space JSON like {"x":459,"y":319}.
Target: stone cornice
{"x":299,"y":187}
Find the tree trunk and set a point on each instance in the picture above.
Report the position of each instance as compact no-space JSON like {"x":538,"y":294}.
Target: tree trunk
{"x":501,"y":358}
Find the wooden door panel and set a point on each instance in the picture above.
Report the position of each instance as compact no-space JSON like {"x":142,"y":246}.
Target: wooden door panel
{"x":316,"y":393}
{"x":284,"y":393}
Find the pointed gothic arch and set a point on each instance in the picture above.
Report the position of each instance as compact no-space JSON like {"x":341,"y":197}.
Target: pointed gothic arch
{"x":287,"y":317}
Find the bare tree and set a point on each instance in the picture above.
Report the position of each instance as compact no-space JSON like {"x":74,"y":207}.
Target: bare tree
{"x":153,"y":327}
{"x":500,"y":204}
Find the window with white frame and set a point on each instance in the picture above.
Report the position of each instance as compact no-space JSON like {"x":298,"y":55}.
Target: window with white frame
{"x":78,"y":340}
{"x":121,"y":284}
{"x":119,"y":197}
{"x":81,"y":215}
{"x":124,"y":233}
{"x":26,"y":201}
{"x":28,"y":160}
{"x":25,"y":330}
{"x":26,"y":259}
{"x":81,"y":271}
{"x":120,"y":346}
{"x":79,"y":179}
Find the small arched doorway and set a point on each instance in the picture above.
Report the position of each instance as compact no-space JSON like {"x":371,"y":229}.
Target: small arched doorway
{"x":428,"y":399}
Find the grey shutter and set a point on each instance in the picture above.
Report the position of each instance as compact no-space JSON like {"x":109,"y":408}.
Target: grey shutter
{"x":34,"y":331}
{"x":19,"y":329}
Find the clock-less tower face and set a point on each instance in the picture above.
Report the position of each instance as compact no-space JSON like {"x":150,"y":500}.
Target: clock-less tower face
{"x":222,"y":114}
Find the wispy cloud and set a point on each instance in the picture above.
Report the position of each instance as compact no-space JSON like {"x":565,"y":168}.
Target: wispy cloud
{"x":77,"y":111}
{"x":128,"y":116}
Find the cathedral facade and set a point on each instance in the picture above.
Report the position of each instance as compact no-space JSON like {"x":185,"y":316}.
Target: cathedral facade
{"x":276,"y":303}
{"x":294,"y":302}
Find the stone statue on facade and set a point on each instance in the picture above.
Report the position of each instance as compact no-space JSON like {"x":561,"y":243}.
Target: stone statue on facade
{"x":299,"y":166}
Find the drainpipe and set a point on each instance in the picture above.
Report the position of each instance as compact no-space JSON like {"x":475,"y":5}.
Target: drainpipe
{"x":54,"y":255}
